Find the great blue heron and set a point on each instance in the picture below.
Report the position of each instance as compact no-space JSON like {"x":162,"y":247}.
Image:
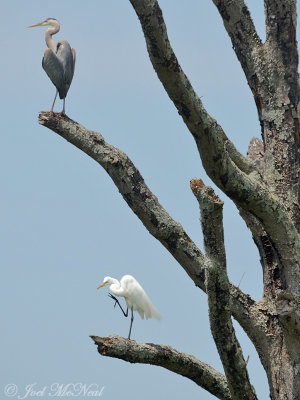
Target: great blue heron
{"x":58,"y":61}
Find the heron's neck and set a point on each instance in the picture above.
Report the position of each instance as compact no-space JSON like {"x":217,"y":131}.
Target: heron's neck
{"x":48,"y":36}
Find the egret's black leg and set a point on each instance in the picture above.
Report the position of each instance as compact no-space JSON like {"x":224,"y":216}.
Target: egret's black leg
{"x":117,"y":302}
{"x":130,"y":322}
{"x":113,"y":297}
{"x":54,"y":100}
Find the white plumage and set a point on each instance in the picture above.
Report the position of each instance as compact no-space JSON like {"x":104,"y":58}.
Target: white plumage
{"x":135,"y":296}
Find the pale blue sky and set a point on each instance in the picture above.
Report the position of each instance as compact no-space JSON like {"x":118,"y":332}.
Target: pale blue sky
{"x":64,"y":224}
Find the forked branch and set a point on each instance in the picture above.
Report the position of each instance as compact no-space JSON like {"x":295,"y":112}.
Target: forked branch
{"x":167,"y":357}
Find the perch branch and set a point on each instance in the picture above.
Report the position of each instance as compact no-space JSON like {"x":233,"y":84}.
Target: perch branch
{"x":167,"y":357}
{"x":217,"y":289}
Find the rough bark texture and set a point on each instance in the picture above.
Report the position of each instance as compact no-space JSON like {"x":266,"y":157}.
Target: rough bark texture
{"x":167,"y":357}
{"x":217,"y":289}
{"x":264,"y":185}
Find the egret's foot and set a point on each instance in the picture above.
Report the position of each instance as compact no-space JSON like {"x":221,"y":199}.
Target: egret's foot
{"x":113,"y":297}
{"x":117,"y":302}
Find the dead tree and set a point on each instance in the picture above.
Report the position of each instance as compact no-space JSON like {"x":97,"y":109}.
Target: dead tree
{"x":264,"y":185}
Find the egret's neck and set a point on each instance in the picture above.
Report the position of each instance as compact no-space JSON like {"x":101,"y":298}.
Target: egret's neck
{"x":48,"y":36}
{"x":115,"y":288}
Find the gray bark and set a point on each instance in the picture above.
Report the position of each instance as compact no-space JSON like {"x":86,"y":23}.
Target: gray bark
{"x":264,"y":185}
{"x":167,"y":357}
{"x":217,"y":288}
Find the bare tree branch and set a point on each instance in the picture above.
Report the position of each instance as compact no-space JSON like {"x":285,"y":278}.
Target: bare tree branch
{"x":245,"y":164}
{"x":246,"y":44}
{"x":167,"y":357}
{"x":245,"y":40}
{"x":211,"y":208}
{"x":217,"y":289}
{"x":281,"y":89}
{"x":281,"y":21}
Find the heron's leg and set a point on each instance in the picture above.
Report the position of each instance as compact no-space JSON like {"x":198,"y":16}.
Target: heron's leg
{"x":64,"y":111}
{"x":54,"y":100}
{"x":130,"y":322}
{"x":117,"y":302}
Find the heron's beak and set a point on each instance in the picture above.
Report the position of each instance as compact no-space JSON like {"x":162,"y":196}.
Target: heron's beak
{"x":33,"y":26}
{"x":102,"y":284}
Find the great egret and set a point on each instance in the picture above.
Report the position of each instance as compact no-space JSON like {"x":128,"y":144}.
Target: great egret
{"x":58,"y":61}
{"x":134,"y":295}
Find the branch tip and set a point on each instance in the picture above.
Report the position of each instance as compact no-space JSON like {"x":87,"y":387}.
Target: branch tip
{"x":204,"y":193}
{"x":196,"y":184}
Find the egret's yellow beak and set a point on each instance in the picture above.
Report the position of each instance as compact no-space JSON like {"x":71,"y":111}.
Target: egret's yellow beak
{"x":33,"y":26}
{"x":102,"y":284}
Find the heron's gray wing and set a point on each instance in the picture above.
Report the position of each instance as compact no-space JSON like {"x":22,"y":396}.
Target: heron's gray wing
{"x":54,"y":68}
{"x":66,"y":56}
{"x":74,"y":57}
